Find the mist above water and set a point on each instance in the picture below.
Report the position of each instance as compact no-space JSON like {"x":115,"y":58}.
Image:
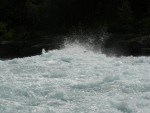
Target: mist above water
{"x":75,"y":80}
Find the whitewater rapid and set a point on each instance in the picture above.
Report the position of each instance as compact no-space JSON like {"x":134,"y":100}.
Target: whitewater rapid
{"x":75,"y":80}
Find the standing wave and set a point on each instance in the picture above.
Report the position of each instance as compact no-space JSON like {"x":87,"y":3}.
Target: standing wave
{"x":75,"y":80}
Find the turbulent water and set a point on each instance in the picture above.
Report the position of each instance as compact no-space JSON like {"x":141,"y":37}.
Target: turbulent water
{"x":75,"y":80}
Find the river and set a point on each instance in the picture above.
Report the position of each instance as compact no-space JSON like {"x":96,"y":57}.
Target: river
{"x":75,"y":79}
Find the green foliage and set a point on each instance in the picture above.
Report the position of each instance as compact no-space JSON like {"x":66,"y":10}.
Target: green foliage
{"x":9,"y":35}
{"x":3,"y":29}
{"x":4,"y":33}
{"x":59,"y":16}
{"x":125,"y":13}
{"x":124,"y":20}
{"x":147,"y":26}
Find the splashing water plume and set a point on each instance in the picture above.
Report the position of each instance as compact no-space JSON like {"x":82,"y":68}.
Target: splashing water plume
{"x":75,"y":80}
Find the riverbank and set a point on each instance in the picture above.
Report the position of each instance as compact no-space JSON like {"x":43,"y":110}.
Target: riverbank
{"x":112,"y":45}
{"x":127,"y":45}
{"x":19,"y":49}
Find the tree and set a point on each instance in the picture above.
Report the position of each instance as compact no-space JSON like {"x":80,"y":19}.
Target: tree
{"x":124,"y":19}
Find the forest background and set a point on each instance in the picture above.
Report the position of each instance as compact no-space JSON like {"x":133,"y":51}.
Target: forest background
{"x":128,"y":21}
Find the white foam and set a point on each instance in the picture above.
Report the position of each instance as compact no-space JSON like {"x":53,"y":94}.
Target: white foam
{"x":51,"y":62}
{"x":75,"y":80}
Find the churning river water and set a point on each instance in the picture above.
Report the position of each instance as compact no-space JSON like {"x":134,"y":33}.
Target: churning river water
{"x":75,"y":80}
